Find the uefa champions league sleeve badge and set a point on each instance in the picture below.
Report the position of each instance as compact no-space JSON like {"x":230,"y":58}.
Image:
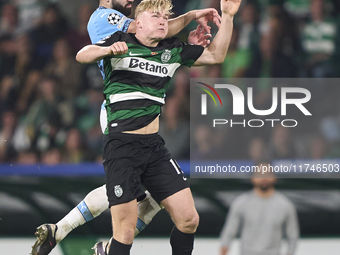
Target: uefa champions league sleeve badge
{"x":113,"y":18}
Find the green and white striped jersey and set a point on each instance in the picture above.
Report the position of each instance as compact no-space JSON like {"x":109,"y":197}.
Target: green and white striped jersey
{"x":136,"y":82}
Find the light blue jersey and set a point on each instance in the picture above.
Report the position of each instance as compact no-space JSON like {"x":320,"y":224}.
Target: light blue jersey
{"x":103,"y":23}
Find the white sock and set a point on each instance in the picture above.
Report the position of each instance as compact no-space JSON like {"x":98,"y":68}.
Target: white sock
{"x":147,"y":209}
{"x":97,"y":201}
{"x":93,"y":205}
{"x":72,"y":220}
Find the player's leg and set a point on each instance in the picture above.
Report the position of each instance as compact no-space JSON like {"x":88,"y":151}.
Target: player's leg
{"x":95,"y":203}
{"x":124,"y":220}
{"x":92,"y":206}
{"x":168,"y":185}
{"x":125,"y":159}
{"x":182,"y":210}
{"x":48,"y":235}
{"x":163,"y":178}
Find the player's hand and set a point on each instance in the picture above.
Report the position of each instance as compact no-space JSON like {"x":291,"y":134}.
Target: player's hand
{"x":230,"y":7}
{"x":198,"y":37}
{"x":118,"y":48}
{"x":206,"y":15}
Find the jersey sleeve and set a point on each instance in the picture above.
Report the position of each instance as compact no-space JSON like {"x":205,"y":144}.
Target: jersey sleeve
{"x":106,"y":22}
{"x":111,"y":39}
{"x":190,"y":53}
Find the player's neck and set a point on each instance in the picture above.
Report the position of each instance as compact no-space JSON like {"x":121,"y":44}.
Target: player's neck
{"x":147,"y":41}
{"x":105,"y":5}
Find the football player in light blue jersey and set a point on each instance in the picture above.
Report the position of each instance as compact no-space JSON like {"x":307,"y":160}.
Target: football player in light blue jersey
{"x":104,"y":22}
{"x":108,"y":18}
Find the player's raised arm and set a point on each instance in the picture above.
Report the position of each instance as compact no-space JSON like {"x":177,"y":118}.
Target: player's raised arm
{"x":93,"y":53}
{"x":202,"y":17}
{"x":177,"y":24}
{"x":216,"y":52}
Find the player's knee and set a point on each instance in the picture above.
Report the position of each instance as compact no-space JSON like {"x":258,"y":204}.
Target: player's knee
{"x":189,"y":223}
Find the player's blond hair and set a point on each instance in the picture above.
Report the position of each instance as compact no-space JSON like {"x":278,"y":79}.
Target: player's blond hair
{"x":154,"y":6}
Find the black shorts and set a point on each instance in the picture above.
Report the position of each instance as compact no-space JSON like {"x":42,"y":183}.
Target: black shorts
{"x":131,"y":160}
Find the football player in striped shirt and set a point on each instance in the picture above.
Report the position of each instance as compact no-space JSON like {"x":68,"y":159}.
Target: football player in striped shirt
{"x":138,"y":69}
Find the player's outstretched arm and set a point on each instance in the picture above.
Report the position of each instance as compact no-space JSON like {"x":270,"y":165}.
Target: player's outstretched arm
{"x":201,"y":16}
{"x":216,"y":52}
{"x":93,"y":53}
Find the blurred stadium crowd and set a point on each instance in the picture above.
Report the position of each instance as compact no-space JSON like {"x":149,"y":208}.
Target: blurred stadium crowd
{"x":49,"y":103}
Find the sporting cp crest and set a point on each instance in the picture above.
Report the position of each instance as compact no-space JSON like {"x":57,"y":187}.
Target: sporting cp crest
{"x":118,"y":191}
{"x":166,"y":56}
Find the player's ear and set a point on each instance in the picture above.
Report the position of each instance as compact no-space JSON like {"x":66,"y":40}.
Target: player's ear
{"x":137,"y":21}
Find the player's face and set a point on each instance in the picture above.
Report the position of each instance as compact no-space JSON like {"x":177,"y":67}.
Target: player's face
{"x":123,"y":6}
{"x":154,"y":24}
